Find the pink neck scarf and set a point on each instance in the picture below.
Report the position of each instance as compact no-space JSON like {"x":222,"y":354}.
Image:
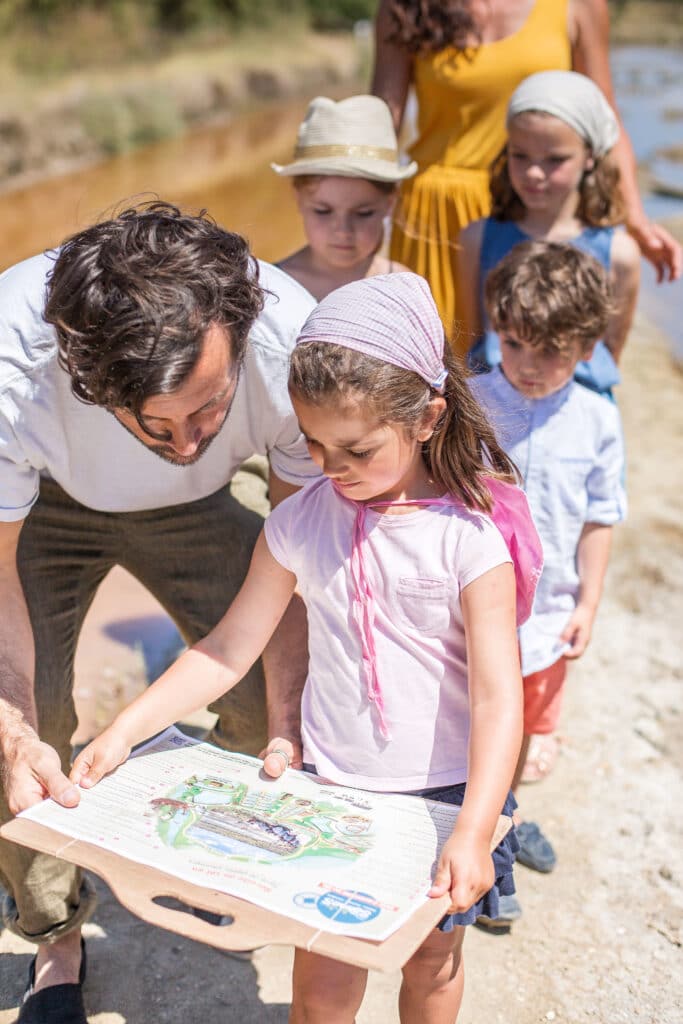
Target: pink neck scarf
{"x":512,"y":517}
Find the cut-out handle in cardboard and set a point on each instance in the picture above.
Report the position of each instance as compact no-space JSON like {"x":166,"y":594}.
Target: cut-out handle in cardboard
{"x":138,"y":886}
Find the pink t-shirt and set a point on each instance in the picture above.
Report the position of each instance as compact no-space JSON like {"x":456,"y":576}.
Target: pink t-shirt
{"x":417,"y":564}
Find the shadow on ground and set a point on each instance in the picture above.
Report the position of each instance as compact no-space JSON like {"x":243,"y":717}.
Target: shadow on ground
{"x":139,"y":974}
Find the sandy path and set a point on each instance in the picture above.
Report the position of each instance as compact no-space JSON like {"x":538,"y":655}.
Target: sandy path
{"x":600,"y":940}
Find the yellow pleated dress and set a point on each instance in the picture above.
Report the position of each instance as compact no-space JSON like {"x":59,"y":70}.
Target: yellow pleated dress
{"x":462,"y":98}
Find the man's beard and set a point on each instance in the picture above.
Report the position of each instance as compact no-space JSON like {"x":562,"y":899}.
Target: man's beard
{"x":168,"y":455}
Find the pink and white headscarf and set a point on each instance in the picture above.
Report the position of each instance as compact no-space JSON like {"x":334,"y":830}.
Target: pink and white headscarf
{"x":393,"y":317}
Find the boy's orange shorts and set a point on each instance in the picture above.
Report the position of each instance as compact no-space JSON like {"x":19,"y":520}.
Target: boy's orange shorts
{"x":543,"y":698}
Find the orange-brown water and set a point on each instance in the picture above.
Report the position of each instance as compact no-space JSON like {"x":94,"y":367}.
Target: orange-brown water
{"x":225,"y":169}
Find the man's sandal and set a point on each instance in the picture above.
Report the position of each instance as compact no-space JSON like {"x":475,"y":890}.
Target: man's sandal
{"x":57,"y":1004}
{"x":541,"y":757}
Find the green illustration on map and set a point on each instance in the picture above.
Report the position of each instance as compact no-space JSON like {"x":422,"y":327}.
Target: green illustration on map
{"x":264,"y":825}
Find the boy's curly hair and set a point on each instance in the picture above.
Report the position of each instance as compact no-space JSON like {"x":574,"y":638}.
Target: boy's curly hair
{"x":549,"y":294}
{"x":131,"y":300}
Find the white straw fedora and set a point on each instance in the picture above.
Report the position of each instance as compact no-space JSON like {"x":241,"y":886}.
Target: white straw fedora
{"x":353,"y":138}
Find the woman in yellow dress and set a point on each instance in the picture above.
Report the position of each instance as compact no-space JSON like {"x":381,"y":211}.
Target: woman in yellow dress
{"x":465,"y":58}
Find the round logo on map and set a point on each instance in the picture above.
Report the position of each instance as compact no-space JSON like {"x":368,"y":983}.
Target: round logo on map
{"x":348,"y":907}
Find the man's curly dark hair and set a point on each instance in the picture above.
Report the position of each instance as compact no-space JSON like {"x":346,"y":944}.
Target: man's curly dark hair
{"x":131,"y":300}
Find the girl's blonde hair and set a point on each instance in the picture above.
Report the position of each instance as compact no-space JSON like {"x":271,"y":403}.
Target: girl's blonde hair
{"x":463,"y":450}
{"x":600,"y":204}
{"x":300,"y":181}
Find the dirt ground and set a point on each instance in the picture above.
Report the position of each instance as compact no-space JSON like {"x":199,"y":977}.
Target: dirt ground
{"x":600,"y":939}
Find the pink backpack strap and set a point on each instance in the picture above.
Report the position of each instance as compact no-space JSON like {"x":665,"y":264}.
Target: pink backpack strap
{"x":512,"y":516}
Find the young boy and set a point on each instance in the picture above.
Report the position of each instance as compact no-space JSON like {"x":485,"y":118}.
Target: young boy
{"x":549,"y":304}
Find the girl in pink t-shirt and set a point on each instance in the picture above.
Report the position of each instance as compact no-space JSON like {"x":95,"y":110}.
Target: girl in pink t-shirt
{"x":402,"y":552}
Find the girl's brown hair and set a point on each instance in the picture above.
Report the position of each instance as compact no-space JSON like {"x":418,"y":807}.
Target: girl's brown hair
{"x":463,"y":450}
{"x":600,"y":200}
{"x":427,"y":26}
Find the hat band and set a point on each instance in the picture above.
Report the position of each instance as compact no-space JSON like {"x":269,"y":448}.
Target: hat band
{"x":374,"y":152}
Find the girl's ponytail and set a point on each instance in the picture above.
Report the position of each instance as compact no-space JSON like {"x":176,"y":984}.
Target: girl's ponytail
{"x":463,"y":450}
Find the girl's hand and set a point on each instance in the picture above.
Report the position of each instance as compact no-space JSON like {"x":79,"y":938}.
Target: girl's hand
{"x":279,"y":755}
{"x":99,"y":758}
{"x":465,"y":871}
{"x":577,"y":632}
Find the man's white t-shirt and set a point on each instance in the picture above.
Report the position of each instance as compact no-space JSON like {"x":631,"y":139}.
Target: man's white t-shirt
{"x":46,"y":432}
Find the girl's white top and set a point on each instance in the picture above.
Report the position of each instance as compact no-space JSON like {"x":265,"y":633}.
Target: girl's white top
{"x":418,"y":563}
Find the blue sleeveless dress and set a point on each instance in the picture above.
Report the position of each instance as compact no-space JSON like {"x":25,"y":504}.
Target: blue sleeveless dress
{"x":600,"y":373}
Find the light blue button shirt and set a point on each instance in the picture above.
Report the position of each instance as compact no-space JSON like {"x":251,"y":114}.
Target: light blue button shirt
{"x":569,"y":449}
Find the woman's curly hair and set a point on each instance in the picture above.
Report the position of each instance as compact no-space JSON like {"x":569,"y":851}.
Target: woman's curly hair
{"x":427,"y":26}
{"x":131,"y":300}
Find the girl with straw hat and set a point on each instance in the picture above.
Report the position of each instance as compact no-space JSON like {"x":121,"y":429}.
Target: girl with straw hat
{"x":345,"y":173}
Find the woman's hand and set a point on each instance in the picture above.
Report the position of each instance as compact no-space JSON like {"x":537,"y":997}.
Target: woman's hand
{"x":279,"y":755}
{"x":100,"y":757}
{"x":465,"y":871}
{"x":659,"y":247}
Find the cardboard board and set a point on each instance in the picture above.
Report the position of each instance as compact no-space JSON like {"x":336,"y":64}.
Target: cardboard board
{"x":137,"y":887}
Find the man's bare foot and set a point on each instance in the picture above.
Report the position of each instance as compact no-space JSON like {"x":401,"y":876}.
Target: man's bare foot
{"x":58,"y":963}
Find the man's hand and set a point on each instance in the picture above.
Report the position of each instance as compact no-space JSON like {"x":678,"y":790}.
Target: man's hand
{"x":99,"y":758}
{"x":577,"y":632}
{"x":280,"y":755}
{"x":465,"y":871}
{"x":34,"y":772}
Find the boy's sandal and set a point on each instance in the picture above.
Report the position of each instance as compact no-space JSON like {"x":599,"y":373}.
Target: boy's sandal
{"x":57,"y":1004}
{"x":541,"y":757}
{"x":509,"y":911}
{"x":535,"y":851}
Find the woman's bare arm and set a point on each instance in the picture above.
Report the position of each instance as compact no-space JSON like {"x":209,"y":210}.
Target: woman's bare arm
{"x":393,"y":67}
{"x":589,"y":33}
{"x":469,"y":240}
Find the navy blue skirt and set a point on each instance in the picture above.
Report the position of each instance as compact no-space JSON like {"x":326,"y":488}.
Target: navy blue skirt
{"x":503,"y":856}
{"x":503,"y":859}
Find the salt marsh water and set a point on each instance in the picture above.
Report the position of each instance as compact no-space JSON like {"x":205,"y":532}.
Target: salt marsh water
{"x":226,"y":169}
{"x":649,"y":87}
